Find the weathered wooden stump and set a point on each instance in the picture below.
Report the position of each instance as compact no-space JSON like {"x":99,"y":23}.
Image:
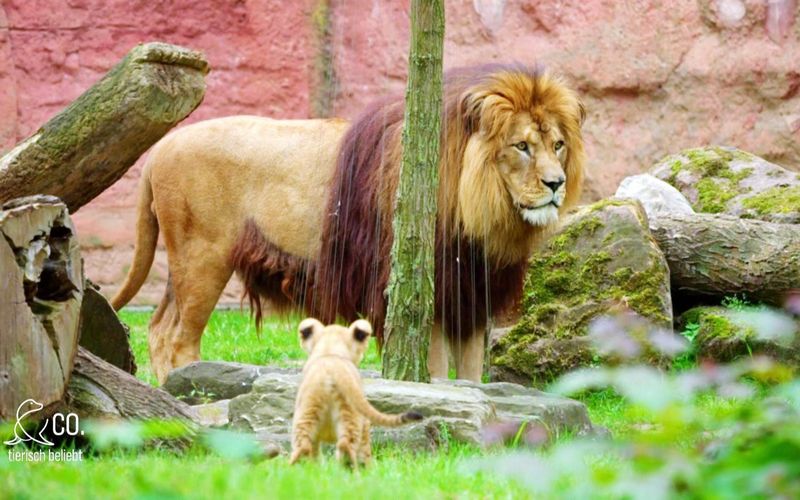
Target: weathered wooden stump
{"x":40,"y":301}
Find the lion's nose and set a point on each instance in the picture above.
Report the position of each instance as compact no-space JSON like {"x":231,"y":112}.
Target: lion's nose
{"x":554,"y":184}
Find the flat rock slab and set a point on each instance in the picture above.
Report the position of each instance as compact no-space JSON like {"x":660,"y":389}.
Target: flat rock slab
{"x":455,"y":411}
{"x":204,"y":381}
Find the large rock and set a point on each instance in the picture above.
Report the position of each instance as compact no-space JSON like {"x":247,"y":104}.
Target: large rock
{"x":731,"y":181}
{"x":603,"y":259}
{"x":102,"y":333}
{"x":455,"y":410}
{"x":204,"y":381}
{"x":724,"y":334}
{"x":656,"y":196}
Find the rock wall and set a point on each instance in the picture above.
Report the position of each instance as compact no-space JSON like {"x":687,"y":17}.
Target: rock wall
{"x":657,"y":77}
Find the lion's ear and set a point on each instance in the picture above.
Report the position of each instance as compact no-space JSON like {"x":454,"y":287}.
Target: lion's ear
{"x":581,"y":112}
{"x":472,"y":109}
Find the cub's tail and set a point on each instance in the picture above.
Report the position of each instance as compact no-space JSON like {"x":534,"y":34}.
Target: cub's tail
{"x":145,"y":249}
{"x":354,"y":395}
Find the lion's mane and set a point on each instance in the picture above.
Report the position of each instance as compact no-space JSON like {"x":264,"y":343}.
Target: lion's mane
{"x":482,"y":244}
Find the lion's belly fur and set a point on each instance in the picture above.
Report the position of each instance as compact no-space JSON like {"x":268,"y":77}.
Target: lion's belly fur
{"x":209,"y":178}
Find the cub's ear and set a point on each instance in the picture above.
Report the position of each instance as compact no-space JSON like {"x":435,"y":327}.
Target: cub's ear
{"x":361,"y":330}
{"x":307,"y":328}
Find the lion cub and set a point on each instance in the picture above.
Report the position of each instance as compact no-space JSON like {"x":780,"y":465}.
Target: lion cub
{"x":330,"y":405}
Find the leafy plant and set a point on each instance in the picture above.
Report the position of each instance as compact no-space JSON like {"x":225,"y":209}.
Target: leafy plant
{"x":736,"y":302}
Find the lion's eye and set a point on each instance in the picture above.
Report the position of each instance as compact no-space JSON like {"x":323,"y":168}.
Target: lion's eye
{"x":558,"y":145}
{"x":522,"y":146}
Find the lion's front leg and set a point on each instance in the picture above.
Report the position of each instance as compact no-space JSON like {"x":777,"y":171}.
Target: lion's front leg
{"x":469,"y":356}
{"x":437,"y":353}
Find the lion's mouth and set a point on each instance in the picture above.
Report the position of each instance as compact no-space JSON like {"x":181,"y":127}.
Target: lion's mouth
{"x":540,"y":215}
{"x":537,"y":207}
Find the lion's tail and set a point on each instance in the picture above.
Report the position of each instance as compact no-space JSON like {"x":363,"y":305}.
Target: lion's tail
{"x":353,"y":394}
{"x":146,"y":239}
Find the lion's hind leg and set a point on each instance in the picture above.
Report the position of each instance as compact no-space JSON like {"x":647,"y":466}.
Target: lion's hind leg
{"x":196,"y":282}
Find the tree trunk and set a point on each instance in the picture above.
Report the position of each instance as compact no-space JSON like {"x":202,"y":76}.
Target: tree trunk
{"x":93,"y":142}
{"x":40,"y":302}
{"x":718,"y":255}
{"x":99,"y":389}
{"x":410,"y":291}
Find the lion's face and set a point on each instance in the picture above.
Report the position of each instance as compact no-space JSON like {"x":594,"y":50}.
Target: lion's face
{"x":522,"y":160}
{"x":531,"y":164}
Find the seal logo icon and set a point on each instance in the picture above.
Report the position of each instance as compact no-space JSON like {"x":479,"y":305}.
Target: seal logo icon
{"x":21,"y":435}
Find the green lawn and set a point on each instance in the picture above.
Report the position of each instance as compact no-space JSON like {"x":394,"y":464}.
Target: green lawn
{"x":204,"y":473}
{"x":394,"y":475}
{"x":231,"y":336}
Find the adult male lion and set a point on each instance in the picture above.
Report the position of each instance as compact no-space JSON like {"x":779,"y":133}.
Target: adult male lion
{"x":302,"y":210}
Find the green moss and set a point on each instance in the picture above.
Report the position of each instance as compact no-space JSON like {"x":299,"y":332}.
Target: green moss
{"x":718,"y":183}
{"x":713,"y":196}
{"x":571,"y":233}
{"x":716,"y":326}
{"x":715,"y":323}
{"x":675,"y":168}
{"x":778,"y":200}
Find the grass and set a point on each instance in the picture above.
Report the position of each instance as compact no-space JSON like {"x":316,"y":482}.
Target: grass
{"x":395,"y":474}
{"x":202,"y":473}
{"x":232,"y":336}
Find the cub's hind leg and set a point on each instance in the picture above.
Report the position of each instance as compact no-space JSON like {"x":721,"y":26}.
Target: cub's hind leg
{"x":365,"y":445}
{"x":349,"y":436}
{"x":305,"y":430}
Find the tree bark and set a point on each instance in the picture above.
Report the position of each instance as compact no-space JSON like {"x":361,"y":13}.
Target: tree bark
{"x":99,"y":389}
{"x":718,"y":255}
{"x":410,"y":290}
{"x":40,"y":302}
{"x":92,"y":143}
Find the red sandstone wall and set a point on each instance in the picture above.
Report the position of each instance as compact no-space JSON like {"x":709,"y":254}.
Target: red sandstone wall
{"x":656,"y":76}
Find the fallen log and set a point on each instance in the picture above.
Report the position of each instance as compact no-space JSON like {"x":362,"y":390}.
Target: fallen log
{"x":89,"y":145}
{"x":100,"y":390}
{"x":40,"y":302}
{"x":717,"y":255}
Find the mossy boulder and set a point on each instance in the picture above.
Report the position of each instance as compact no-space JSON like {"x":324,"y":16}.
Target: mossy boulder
{"x":728,"y":180}
{"x":603,"y":259}
{"x":724,"y":334}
